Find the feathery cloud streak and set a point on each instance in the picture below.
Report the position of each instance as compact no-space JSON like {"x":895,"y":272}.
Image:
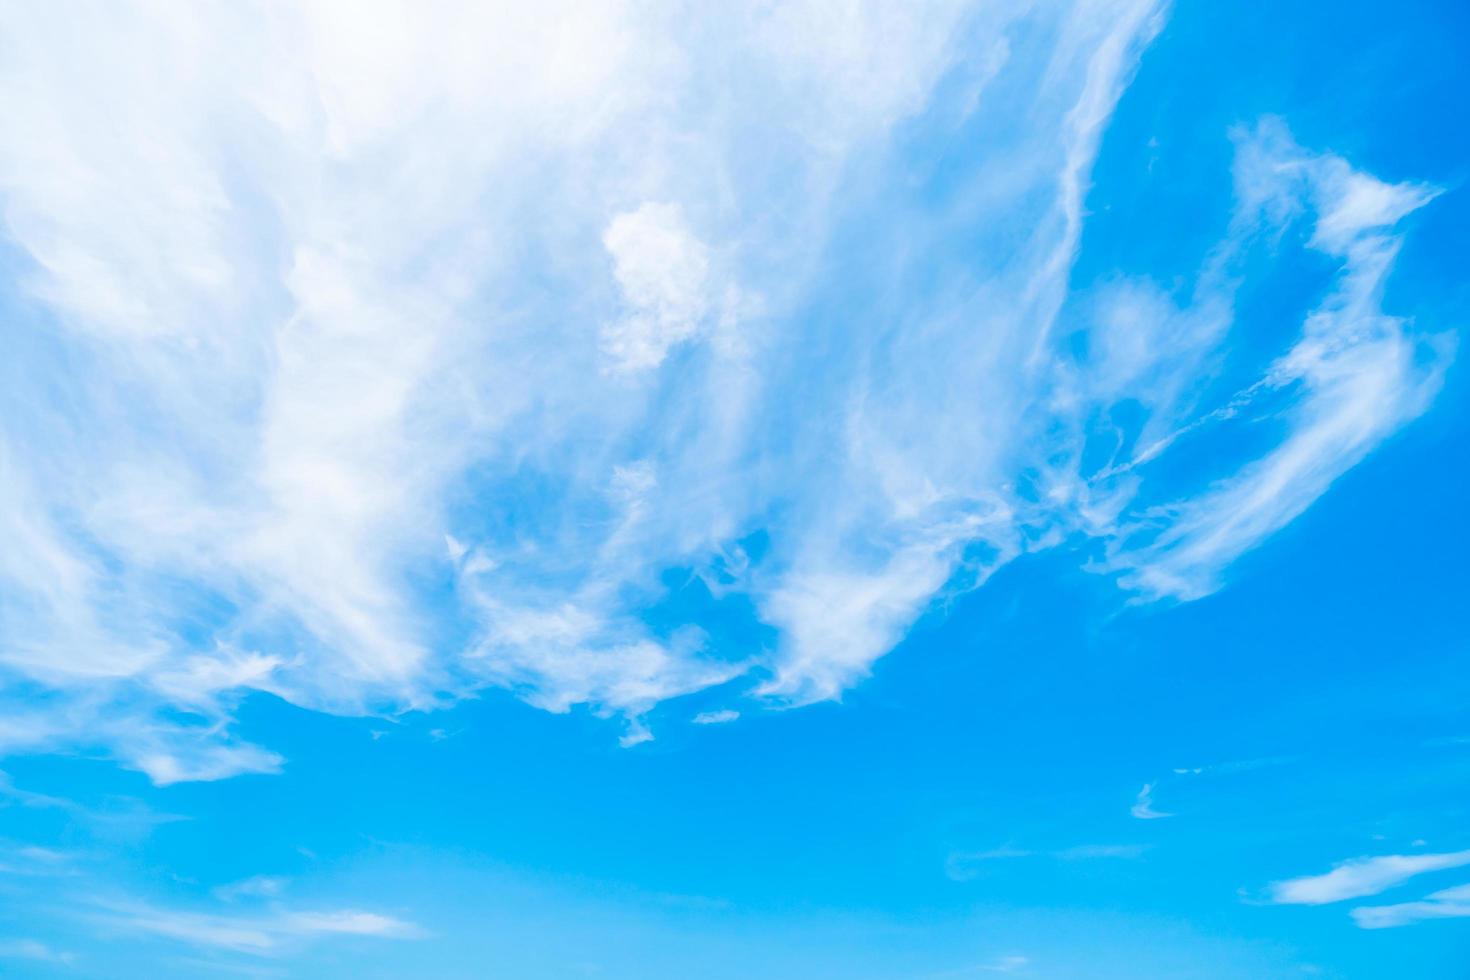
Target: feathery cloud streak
{"x":261,"y":933}
{"x":1363,"y":876}
{"x":1448,"y":903}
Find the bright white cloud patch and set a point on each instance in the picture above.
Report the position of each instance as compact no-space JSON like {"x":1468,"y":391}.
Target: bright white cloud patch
{"x":722,"y":717}
{"x":370,"y":360}
{"x":1363,"y":876}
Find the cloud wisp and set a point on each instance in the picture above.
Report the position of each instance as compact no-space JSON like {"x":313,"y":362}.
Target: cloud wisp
{"x":1362,"y":876}
{"x":967,"y":865}
{"x":1143,"y":805}
{"x":263,"y":933}
{"x":1448,"y":903}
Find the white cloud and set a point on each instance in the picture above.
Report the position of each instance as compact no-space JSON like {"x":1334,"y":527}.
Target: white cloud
{"x":178,"y":758}
{"x":258,"y":933}
{"x":1363,"y":876}
{"x":565,"y":305}
{"x":635,"y":733}
{"x":1143,"y":806}
{"x":1449,"y":903}
{"x":662,"y":272}
{"x":721,"y":717}
{"x":836,"y":623}
{"x":1357,"y":373}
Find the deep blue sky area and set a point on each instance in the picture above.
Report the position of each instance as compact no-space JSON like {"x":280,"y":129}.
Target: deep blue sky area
{"x":710,"y":689}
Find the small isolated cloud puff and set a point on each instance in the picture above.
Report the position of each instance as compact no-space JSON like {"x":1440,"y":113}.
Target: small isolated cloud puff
{"x":721,"y":717}
{"x":1362,"y":876}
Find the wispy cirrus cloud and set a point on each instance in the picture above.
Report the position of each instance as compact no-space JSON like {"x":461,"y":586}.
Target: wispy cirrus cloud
{"x":1355,"y":373}
{"x":369,"y":365}
{"x":1448,"y":903}
{"x":1143,"y":805}
{"x":260,"y":933}
{"x":721,"y":717}
{"x":1362,"y":876}
{"x":966,"y":865}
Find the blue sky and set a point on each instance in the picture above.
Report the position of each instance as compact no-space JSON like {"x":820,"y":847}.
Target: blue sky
{"x":824,"y":489}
